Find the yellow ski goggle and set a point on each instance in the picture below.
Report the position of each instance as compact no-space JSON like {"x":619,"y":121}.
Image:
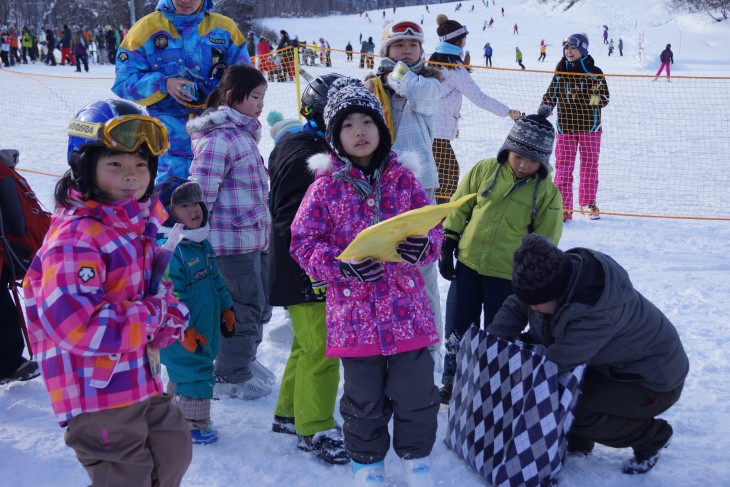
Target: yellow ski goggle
{"x":125,"y":133}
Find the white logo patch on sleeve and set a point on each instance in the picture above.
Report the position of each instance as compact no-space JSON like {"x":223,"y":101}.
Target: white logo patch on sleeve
{"x":86,"y":273}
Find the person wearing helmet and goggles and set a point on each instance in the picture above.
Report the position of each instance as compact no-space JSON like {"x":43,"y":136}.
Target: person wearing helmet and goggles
{"x":111,"y":126}
{"x":410,"y":91}
{"x":96,"y":322}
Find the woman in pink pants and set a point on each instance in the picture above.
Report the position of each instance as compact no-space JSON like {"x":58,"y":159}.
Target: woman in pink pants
{"x":578,"y":91}
{"x":667,"y":58}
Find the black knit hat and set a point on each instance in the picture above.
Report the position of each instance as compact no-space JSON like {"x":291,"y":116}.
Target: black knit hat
{"x":346,"y":96}
{"x":450,"y":31}
{"x":540,"y":271}
{"x":532,"y":136}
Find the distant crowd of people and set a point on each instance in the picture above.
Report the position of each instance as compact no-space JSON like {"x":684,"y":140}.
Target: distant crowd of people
{"x":75,"y":45}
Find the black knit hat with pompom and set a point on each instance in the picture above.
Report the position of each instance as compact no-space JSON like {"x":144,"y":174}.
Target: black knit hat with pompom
{"x":346,"y":96}
{"x":449,"y":30}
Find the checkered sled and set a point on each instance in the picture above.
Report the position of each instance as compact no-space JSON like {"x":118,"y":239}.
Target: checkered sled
{"x":511,"y":410}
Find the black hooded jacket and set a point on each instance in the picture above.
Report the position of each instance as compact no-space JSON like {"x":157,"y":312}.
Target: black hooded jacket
{"x":289,"y":180}
{"x":603,"y":321}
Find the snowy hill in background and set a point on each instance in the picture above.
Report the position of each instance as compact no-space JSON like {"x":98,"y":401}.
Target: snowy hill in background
{"x":682,"y":266}
{"x":701,"y":46}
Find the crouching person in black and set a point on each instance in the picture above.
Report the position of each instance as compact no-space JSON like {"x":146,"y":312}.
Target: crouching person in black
{"x":582,"y":306}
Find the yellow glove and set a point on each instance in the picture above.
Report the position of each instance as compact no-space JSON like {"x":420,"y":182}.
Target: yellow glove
{"x":396,"y":76}
{"x":319,"y":288}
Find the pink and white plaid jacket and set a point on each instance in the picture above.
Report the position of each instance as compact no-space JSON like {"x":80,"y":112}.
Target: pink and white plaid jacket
{"x":89,"y":320}
{"x":230,"y":170}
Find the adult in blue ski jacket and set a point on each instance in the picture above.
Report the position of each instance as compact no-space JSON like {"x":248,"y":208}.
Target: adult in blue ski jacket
{"x":169,"y":61}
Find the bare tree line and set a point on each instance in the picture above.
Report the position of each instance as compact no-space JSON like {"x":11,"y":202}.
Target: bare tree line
{"x":55,"y":13}
{"x":717,"y":9}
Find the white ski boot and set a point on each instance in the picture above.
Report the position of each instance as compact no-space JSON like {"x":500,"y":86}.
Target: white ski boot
{"x":418,"y":472}
{"x":369,"y":475}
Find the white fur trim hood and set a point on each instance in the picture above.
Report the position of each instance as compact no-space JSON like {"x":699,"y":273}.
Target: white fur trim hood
{"x":322,"y":163}
{"x":221,"y":116}
{"x":207,"y":120}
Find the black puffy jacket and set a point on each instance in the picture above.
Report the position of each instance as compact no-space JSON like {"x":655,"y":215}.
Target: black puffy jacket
{"x":289,"y":180}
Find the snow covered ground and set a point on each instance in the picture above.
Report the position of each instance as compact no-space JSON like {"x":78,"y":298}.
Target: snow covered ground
{"x":682,"y":266}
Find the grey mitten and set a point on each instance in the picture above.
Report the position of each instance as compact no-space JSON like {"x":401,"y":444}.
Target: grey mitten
{"x":386,"y":66}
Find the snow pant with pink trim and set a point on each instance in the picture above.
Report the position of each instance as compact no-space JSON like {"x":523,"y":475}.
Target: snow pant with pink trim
{"x":377,"y":388}
{"x":145,"y":444}
{"x":661,"y":68}
{"x":566,"y":148}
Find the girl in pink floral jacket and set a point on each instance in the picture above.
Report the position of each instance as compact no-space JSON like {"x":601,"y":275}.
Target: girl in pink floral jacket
{"x":378,"y":316}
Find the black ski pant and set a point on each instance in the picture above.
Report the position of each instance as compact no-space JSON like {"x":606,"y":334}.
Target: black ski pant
{"x":82,"y":58}
{"x":621,"y":414}
{"x":28,"y":51}
{"x":470,"y":295}
{"x":50,"y":57}
{"x":378,"y":388}
{"x":11,"y":337}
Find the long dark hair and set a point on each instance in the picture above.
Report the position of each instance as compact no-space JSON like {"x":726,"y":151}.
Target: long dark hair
{"x":82,"y":174}
{"x":240,"y":80}
{"x":452,"y":60}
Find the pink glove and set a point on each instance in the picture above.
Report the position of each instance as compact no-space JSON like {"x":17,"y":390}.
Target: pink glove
{"x":170,"y":332}
{"x":173,"y":328}
{"x":157,"y":306}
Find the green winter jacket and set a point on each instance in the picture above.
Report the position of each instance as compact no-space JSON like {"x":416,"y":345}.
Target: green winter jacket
{"x":27,"y":39}
{"x":492,"y":228}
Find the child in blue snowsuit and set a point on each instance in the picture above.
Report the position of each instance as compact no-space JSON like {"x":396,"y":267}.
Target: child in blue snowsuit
{"x":196,"y":282}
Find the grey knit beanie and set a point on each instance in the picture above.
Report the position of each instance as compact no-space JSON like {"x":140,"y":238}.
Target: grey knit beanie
{"x":532,"y":136}
{"x":540,"y":271}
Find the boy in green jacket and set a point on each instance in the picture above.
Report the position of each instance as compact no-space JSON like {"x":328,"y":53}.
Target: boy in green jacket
{"x":515,"y":196}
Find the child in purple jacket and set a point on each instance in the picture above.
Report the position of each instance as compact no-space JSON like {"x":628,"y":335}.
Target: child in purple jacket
{"x":229,"y":168}
{"x":379,"y":321}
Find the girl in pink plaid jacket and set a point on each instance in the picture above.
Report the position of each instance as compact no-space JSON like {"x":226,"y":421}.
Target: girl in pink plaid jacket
{"x":96,"y":320}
